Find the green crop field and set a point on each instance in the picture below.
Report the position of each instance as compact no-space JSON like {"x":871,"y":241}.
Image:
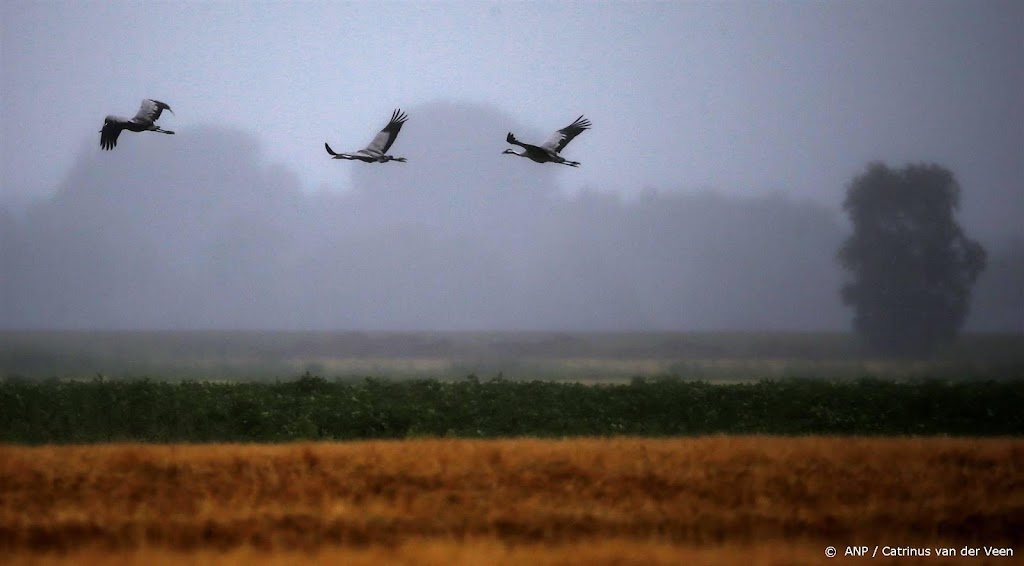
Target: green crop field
{"x":69,"y":387}
{"x":314,"y":408}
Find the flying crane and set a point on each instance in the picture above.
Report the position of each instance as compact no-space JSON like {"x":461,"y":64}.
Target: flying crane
{"x":548,"y":152}
{"x":144,"y":121}
{"x":376,"y":151}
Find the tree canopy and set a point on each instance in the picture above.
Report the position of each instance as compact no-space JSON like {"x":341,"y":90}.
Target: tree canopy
{"x":911,"y":266}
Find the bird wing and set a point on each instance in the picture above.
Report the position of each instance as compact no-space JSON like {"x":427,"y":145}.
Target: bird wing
{"x":108,"y":135}
{"x":561,"y":138}
{"x":150,"y":111}
{"x":384,"y":138}
{"x":510,"y":138}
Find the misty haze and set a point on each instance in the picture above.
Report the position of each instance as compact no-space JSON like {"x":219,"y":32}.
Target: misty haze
{"x":708,"y":197}
{"x":786,"y":262}
{"x":187,"y":234}
{"x":205,"y":232}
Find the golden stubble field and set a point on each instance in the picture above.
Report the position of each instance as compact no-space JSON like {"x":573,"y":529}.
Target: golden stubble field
{"x":723,"y":500}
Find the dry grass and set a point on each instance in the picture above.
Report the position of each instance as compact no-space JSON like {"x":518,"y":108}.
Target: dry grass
{"x":493,"y":552}
{"x":764,"y":500}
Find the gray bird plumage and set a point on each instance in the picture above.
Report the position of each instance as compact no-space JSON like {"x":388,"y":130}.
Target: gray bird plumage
{"x":548,"y":152}
{"x":144,"y":120}
{"x":376,"y":151}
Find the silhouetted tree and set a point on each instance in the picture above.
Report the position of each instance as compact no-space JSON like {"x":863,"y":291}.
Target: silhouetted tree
{"x":911,"y":266}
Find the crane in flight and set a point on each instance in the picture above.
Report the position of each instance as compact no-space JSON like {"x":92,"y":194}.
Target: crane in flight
{"x":548,"y":152}
{"x":144,"y":121}
{"x":376,"y":151}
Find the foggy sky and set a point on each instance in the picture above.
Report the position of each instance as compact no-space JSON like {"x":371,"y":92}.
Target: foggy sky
{"x":724,"y":136}
{"x":175,"y":233}
{"x":744,"y":97}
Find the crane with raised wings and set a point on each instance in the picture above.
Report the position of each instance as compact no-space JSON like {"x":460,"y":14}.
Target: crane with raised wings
{"x":376,"y":151}
{"x":548,"y":152}
{"x":144,"y":121}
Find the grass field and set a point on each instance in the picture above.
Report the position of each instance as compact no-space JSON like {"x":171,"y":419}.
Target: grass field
{"x":565,"y":356}
{"x":725,"y":500}
{"x":504,"y":448}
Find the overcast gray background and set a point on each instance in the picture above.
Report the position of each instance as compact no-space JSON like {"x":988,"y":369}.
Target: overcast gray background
{"x":709,"y":196}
